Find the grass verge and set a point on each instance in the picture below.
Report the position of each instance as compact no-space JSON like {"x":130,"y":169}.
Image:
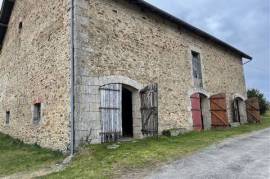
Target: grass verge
{"x":15,"y":156}
{"x":96,"y":161}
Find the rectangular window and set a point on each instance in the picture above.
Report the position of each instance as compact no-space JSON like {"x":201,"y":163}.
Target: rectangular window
{"x":7,"y":117}
{"x":37,"y":113}
{"x":197,"y":69}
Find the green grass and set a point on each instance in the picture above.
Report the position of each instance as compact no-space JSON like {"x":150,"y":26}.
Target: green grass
{"x":15,"y":156}
{"x":96,"y":161}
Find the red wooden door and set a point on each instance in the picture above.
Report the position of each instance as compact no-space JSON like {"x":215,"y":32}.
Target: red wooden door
{"x":219,"y":115}
{"x":253,"y":110}
{"x":196,"y":112}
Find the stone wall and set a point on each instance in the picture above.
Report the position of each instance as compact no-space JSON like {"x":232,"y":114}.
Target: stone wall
{"x":121,"y":39}
{"x":35,"y":67}
{"x":118,"y":38}
{"x":116,"y":42}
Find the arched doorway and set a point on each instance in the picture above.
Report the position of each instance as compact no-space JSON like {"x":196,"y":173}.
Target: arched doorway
{"x":118,"y":111}
{"x":200,"y":112}
{"x":239,"y":112}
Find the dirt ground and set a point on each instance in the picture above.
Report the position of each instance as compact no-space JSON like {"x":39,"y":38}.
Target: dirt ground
{"x":244,"y":157}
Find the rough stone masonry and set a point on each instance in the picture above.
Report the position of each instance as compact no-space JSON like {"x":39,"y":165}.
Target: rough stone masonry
{"x":116,"y":42}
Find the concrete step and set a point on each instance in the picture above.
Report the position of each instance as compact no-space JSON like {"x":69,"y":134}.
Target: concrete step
{"x":235,"y":124}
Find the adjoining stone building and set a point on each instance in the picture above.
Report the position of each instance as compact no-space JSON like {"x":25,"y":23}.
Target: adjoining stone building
{"x":76,"y":70}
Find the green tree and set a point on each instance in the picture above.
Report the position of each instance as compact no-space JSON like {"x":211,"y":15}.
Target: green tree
{"x":264,"y":105}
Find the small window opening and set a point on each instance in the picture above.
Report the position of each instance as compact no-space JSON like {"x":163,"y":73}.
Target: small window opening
{"x":37,"y":113}
{"x":7,"y":117}
{"x":197,"y":69}
{"x":20,"y":26}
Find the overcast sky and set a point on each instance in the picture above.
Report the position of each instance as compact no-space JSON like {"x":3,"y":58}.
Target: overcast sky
{"x":243,"y":23}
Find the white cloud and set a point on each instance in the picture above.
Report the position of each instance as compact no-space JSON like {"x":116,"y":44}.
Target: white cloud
{"x":1,"y":2}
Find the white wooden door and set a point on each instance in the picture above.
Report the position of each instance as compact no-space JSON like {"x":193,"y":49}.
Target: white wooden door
{"x":111,"y":112}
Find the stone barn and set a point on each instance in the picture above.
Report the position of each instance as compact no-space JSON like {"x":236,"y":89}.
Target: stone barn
{"x":75,"y":71}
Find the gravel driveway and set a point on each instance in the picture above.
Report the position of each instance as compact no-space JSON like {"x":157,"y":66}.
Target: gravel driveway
{"x":243,"y":157}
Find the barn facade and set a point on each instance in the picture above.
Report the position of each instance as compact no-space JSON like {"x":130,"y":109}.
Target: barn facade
{"x":112,"y":70}
{"x":132,"y":46}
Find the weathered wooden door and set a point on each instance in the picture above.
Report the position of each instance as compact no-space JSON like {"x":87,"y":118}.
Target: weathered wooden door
{"x":253,"y":110}
{"x":196,"y":112}
{"x":111,"y":120}
{"x":218,"y":107}
{"x":149,"y":110}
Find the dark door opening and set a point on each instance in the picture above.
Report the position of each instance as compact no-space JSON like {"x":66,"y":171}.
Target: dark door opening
{"x":236,"y":111}
{"x":127,"y":121}
{"x":201,"y":107}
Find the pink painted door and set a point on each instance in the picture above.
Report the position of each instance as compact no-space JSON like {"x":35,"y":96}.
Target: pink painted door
{"x":196,"y":112}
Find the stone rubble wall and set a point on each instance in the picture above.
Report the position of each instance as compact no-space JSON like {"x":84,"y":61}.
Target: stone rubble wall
{"x":115,"y":42}
{"x":118,"y":38}
{"x":35,"y":67}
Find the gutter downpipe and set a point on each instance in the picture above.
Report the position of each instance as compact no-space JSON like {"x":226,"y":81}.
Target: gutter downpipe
{"x":249,"y":60}
{"x":72,"y":83}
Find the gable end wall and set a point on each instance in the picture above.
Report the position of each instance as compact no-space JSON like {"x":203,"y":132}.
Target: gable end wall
{"x":35,"y":67}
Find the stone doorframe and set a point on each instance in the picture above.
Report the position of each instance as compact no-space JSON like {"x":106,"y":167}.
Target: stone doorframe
{"x":101,"y":81}
{"x":134,"y":87}
{"x":207,"y":96}
{"x":236,"y":95}
{"x":88,"y":123}
{"x":242,"y":107}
